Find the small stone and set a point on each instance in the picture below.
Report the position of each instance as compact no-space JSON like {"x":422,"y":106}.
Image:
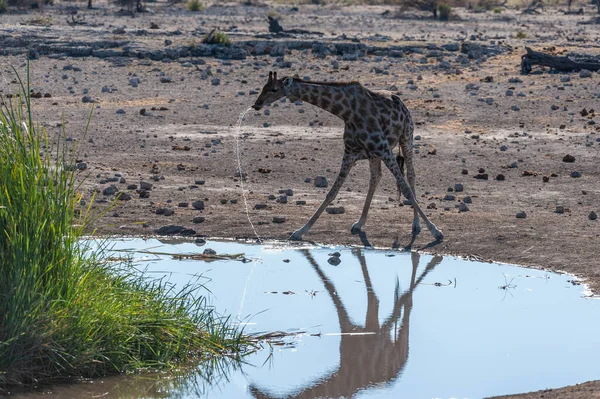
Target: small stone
{"x":521,"y":215}
{"x":209,"y":251}
{"x":335,"y":210}
{"x":321,"y":181}
{"x":464,"y":172}
{"x":169,"y":230}
{"x":198,"y":219}
{"x":468,"y":200}
{"x":568,"y":158}
{"x":279,"y":219}
{"x":559,"y":209}
{"x":565,"y":78}
{"x":144,"y":193}
{"x":87,"y":99}
{"x":260,"y":206}
{"x":198,"y":205}
{"x":503,"y":148}
{"x":145,"y":185}
{"x":132,"y":187}
{"x":215,"y":81}
{"x":458,"y":187}
{"x":592,"y":215}
{"x":449,"y":197}
{"x":300,"y":202}
{"x":500,"y":177}
{"x":481,"y":176}
{"x":545,"y":179}
{"x":110,"y":190}
{"x":585,"y":73}
{"x":554,"y":107}
{"x":334,"y":260}
{"x":462,"y":207}
{"x":575,"y":174}
{"x":183,"y":204}
{"x":122,"y":196}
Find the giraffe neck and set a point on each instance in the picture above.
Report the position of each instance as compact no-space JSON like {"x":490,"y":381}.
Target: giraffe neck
{"x":339,"y":99}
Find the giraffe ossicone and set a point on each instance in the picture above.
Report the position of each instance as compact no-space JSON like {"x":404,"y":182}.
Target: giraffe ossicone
{"x":375,"y":123}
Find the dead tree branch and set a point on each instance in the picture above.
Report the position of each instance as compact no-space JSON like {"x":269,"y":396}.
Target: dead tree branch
{"x":560,"y":63}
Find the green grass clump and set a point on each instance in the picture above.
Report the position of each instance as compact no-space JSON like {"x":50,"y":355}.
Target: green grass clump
{"x":65,"y":310}
{"x":194,"y":5}
{"x":444,"y":11}
{"x":520,"y":35}
{"x":498,"y":10}
{"x":3,"y":6}
{"x":217,"y":37}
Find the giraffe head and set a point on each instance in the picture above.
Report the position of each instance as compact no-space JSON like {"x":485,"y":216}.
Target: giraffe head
{"x":273,"y":91}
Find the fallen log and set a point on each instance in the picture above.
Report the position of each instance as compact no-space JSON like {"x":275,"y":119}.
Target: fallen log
{"x":560,"y":63}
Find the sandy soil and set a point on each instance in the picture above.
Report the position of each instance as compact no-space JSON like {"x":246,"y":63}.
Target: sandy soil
{"x":186,"y":142}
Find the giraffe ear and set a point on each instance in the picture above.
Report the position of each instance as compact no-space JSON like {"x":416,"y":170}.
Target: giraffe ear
{"x":288,"y":82}
{"x":270,"y":77}
{"x":275,"y":75}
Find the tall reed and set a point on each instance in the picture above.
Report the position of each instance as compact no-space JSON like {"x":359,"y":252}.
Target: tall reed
{"x":65,"y":311}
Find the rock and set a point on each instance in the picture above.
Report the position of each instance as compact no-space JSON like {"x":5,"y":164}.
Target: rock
{"x":503,"y":148}
{"x":145,"y":185}
{"x":144,"y":193}
{"x":464,"y":172}
{"x":559,"y":209}
{"x":335,"y":210}
{"x":183,"y":205}
{"x":554,"y":107}
{"x":132,"y":187}
{"x":458,"y":187}
{"x":87,"y":99}
{"x":500,"y":177}
{"x":545,"y":179}
{"x":215,"y":81}
{"x":467,"y":200}
{"x":565,"y":78}
{"x":481,"y":176}
{"x":187,"y":232}
{"x":585,"y":73}
{"x":199,"y":205}
{"x":334,"y":260}
{"x":279,"y":219}
{"x":321,"y":181}
{"x":575,"y":174}
{"x":449,"y":197}
{"x":199,"y":182}
{"x":300,"y":202}
{"x":592,"y":215}
{"x":166,"y":79}
{"x":569,"y":158}
{"x":110,"y":190}
{"x":260,"y":206}
{"x":289,"y":192}
{"x":122,"y":196}
{"x":282,"y":199}
{"x":169,"y":230}
{"x":209,"y":251}
{"x":462,"y":207}
{"x":521,"y":215}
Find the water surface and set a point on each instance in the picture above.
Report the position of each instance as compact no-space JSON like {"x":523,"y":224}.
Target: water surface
{"x":381,"y":324}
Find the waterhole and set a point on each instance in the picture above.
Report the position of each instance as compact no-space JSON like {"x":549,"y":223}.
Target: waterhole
{"x":378,"y":324}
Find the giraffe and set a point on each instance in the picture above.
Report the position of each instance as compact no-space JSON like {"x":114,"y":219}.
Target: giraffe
{"x":374,"y":359}
{"x":375,"y":123}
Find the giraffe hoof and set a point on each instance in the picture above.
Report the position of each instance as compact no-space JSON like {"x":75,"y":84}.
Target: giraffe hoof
{"x":438,"y":235}
{"x":356,"y":229}
{"x":297,"y":236}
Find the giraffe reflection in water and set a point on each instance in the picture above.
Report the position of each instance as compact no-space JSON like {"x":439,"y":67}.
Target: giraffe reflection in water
{"x":368,"y":360}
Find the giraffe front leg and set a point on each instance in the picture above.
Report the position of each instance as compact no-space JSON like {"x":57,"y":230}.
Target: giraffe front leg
{"x":347,"y":162}
{"x":375,"y":166}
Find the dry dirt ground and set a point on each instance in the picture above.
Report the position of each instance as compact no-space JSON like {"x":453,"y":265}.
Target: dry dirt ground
{"x":185,"y":141}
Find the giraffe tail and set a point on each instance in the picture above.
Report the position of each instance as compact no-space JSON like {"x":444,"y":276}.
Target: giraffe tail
{"x":400,"y":161}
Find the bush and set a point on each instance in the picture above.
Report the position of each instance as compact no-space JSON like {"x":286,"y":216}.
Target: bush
{"x":521,"y":35}
{"x":217,"y":37}
{"x":498,"y":10}
{"x":444,"y":11}
{"x":67,"y":310}
{"x":194,"y":5}
{"x":3,"y":6}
